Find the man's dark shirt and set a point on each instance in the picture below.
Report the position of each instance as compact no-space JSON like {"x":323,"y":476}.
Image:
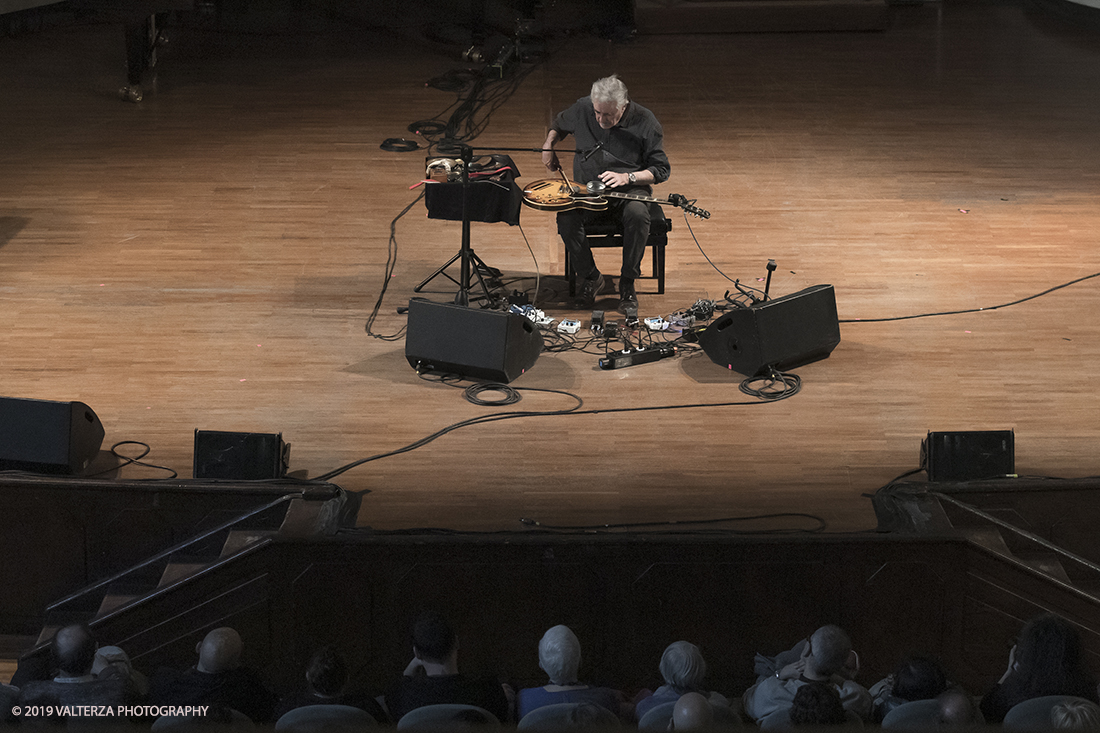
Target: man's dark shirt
{"x":239,"y":689}
{"x":635,"y":143}
{"x":419,"y":690}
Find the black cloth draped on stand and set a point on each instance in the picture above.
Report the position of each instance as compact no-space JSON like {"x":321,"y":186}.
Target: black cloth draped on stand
{"x":494,"y":195}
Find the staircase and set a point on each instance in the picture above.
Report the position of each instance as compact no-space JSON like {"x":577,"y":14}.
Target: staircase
{"x":921,"y":509}
{"x":1004,"y":539}
{"x":289,"y":516}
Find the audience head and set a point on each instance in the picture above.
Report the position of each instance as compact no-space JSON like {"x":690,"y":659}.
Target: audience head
{"x":829,"y":650}
{"x":1075,"y":715}
{"x":108,"y":658}
{"x":1047,"y":655}
{"x":327,"y":674}
{"x":956,"y":709}
{"x":110,"y":661}
{"x":817,"y":703}
{"x":683,"y":667}
{"x":220,"y":651}
{"x":560,"y":655}
{"x":919,"y":678}
{"x":74,"y":650}
{"x":692,"y":712}
{"x":433,"y":639}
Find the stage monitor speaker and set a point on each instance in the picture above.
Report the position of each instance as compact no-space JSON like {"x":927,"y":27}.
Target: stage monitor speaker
{"x":470,"y":342}
{"x":41,"y":436}
{"x":240,"y":456}
{"x":782,"y":333}
{"x":968,"y":455}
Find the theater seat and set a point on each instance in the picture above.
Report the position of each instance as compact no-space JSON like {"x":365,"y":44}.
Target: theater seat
{"x":564,"y":715}
{"x":446,"y":717}
{"x":318,"y":718}
{"x":1034,"y":714}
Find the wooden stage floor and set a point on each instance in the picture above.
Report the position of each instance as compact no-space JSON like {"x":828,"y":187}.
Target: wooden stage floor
{"x":208,"y":259}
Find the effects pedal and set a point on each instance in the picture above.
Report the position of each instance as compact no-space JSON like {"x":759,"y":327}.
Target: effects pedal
{"x":568,"y":325}
{"x":597,"y":322}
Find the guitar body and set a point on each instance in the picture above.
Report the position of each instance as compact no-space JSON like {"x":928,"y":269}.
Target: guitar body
{"x":559,"y":194}
{"x":551,"y":194}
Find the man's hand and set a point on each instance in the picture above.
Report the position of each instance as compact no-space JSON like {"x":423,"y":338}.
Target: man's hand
{"x":415,"y":667}
{"x":795,"y":669}
{"x":792,"y":670}
{"x":615,"y":180}
{"x":549,"y":157}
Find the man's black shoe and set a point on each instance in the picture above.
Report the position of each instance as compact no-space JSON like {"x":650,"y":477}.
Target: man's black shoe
{"x":628,"y":300}
{"x":589,"y":290}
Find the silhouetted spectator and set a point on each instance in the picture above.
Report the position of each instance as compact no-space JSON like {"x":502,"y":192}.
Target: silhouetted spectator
{"x":73,"y":651}
{"x":956,"y":710}
{"x":1075,"y":715}
{"x":1047,"y":660}
{"x":432,"y":677}
{"x":218,"y":680}
{"x":560,"y":658}
{"x":111,"y":660}
{"x":684,"y":670}
{"x":692,"y":711}
{"x":327,"y":684}
{"x":916,"y":678}
{"x":826,"y":656}
{"x":817,"y":703}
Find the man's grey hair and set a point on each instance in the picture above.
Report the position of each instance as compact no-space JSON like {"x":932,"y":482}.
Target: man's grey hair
{"x":610,"y":89}
{"x":830,"y":649}
{"x":683,"y":667}
{"x":560,"y":655}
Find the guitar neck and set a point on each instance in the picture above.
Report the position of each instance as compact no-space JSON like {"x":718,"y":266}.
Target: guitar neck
{"x":635,"y":197}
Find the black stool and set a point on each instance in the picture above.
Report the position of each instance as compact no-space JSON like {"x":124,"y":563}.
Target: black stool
{"x":609,"y":233}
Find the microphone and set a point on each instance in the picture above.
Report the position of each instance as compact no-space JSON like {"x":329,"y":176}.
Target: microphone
{"x":591,"y":152}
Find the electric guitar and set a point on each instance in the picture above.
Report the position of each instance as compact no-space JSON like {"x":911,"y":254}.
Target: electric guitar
{"x":552,"y":194}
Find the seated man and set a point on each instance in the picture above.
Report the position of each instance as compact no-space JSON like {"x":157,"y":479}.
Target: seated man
{"x":218,"y":680}
{"x":824,"y":658}
{"x":692,"y":711}
{"x":625,"y":152}
{"x":957,"y":710}
{"x":110,"y":660}
{"x":560,"y":658}
{"x":432,"y":677}
{"x":327,"y":684}
{"x":74,"y":650}
{"x":683,"y":669}
{"x":916,"y":678}
{"x":817,"y":704}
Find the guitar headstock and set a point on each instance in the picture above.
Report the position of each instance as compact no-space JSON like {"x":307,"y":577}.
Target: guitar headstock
{"x":680,"y":200}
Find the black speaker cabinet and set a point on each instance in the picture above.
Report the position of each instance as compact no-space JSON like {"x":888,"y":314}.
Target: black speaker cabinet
{"x":969,"y":455}
{"x":47,"y":437}
{"x":240,"y":456}
{"x":469,"y":342}
{"x":782,"y":333}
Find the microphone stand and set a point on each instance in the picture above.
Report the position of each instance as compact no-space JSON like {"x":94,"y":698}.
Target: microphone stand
{"x":469,"y":263}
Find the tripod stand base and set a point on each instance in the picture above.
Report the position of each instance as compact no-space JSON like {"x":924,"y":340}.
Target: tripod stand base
{"x":480,"y":270}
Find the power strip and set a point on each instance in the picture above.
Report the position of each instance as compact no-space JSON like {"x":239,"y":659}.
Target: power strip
{"x":633,"y":357}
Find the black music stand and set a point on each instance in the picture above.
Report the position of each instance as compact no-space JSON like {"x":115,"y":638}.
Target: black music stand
{"x":470,"y":264}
